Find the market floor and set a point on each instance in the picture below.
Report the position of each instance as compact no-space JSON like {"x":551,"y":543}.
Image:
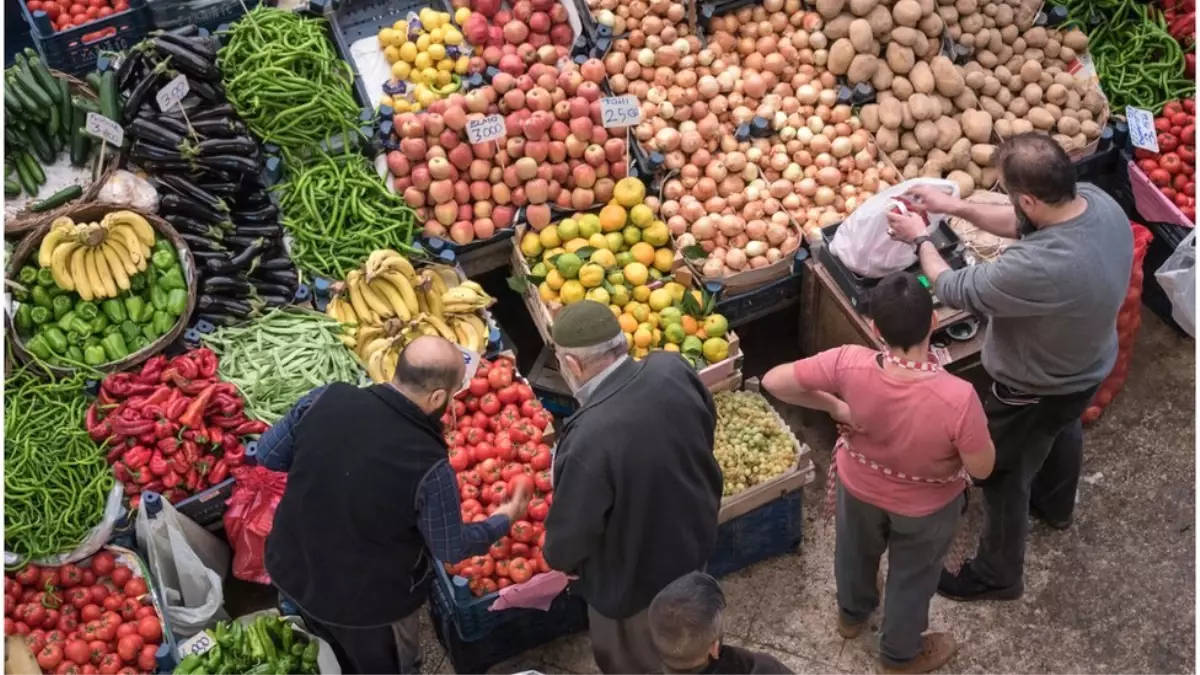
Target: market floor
{"x":1115,"y":593}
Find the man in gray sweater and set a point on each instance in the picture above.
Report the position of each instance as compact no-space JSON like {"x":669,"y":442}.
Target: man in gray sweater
{"x":1051,"y":300}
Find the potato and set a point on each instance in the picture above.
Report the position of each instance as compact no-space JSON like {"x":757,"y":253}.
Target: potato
{"x":1004,"y":128}
{"x":1094,"y":101}
{"x":904,"y":35}
{"x":907,"y":121}
{"x":1003,"y":75}
{"x":1008,"y":32}
{"x":1056,"y":94}
{"x":1066,"y":142}
{"x":975,"y":80}
{"x":993,"y":42}
{"x":1040,"y":118}
{"x":862,"y":7}
{"x":989,"y":177}
{"x":926,"y":133}
{"x":1068,"y":126}
{"x":902,"y":87}
{"x":947,"y":79}
{"x":1052,"y":49}
{"x":971,"y":23}
{"x":1031,"y":70}
{"x":911,"y":170}
{"x":1085,"y":115}
{"x":975,"y":173}
{"x":925,"y":45}
{"x":1022,"y":126}
{"x":923,"y":107}
{"x":1019,"y":107}
{"x":986,"y":59}
{"x":891,"y":113}
{"x":899,"y":157}
{"x":906,"y":12}
{"x":921,"y":77}
{"x":932,"y":26}
{"x":1075,"y":40}
{"x":829,"y":8}
{"x":990,"y":86}
{"x":955,"y":32}
{"x":881,"y":21}
{"x":869,"y":115}
{"x":1066,"y":55}
{"x":838,"y":27}
{"x":1034,"y":54}
{"x":966,"y":184}
{"x":887,"y":140}
{"x":900,"y":58}
{"x":862,"y":68}
{"x":982,"y":153}
{"x":1032,"y":93}
{"x":1004,"y":97}
{"x":967,"y":40}
{"x":908,"y":141}
{"x":966,"y":100}
{"x":1045,"y":80}
{"x":931,"y":170}
{"x":862,"y":38}
{"x":960,"y":154}
{"x":1080,"y":140}
{"x":992,"y":107}
{"x":989,"y":9}
{"x":1055,"y":111}
{"x":966,"y":6}
{"x":1089,"y":128}
{"x":1025,"y":14}
{"x":949,"y":131}
{"x":977,"y":125}
{"x":1005,"y":53}
{"x":1035,"y":37}
{"x":949,"y":15}
{"x":840,"y":56}
{"x":883,"y":76}
{"x":1074,"y":100}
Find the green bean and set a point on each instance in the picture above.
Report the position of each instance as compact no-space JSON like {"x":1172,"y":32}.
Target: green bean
{"x":56,"y":479}
{"x":279,"y":357}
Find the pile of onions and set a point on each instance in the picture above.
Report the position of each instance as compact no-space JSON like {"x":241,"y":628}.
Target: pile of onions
{"x":751,"y":230}
{"x":555,"y":152}
{"x":649,"y":24}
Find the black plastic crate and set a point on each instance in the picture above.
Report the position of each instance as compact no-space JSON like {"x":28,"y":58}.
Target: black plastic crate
{"x":549,"y":386}
{"x":207,"y":508}
{"x":857,"y":288}
{"x":1167,"y":237}
{"x":743,"y":308}
{"x":74,"y":51}
{"x":773,"y":529}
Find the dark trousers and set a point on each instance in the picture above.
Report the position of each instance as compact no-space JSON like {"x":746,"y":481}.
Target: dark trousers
{"x":915,"y":548}
{"x":395,"y":648}
{"x":1039,"y":456}
{"x":623,"y":645}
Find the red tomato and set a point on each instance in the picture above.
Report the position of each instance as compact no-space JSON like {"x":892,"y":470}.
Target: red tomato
{"x":489,"y":404}
{"x":488,"y":586}
{"x":10,"y":603}
{"x":541,"y":460}
{"x":486,"y":565}
{"x":121,"y":576}
{"x":459,"y":459}
{"x":468,"y":492}
{"x":109,"y":664}
{"x":538,"y":509}
{"x":126,"y":629}
{"x":135,"y":587}
{"x":50,"y":657}
{"x":499,"y":378}
{"x":519,"y":570}
{"x":92,"y":13}
{"x":10,"y":626}
{"x":34,"y":5}
{"x":146,"y":660}
{"x":501,"y":549}
{"x":97,"y":649}
{"x":478,"y":386}
{"x":129,"y":646}
{"x":79,"y":597}
{"x":80,"y":19}
{"x":471,"y":506}
{"x":99,"y":592}
{"x":69,"y":575}
{"x":120,"y":5}
{"x":496,"y":493}
{"x":34,"y":615}
{"x":47,"y":577}
{"x":543,"y":481}
{"x":520,"y":480}
{"x":77,"y":652}
{"x":29,"y":576}
{"x":67,"y":668}
{"x":129,"y":608}
{"x":502,"y":568}
{"x":522,"y":531}
{"x":90,"y":612}
{"x":509,"y":395}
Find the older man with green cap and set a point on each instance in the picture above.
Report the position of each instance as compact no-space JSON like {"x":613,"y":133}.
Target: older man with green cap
{"x":636,"y":485}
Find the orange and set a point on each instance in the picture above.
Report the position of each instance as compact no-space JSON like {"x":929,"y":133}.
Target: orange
{"x":628,"y":192}
{"x":690,"y":325}
{"x":628,"y":323}
{"x":643,"y":253}
{"x":612,"y":217}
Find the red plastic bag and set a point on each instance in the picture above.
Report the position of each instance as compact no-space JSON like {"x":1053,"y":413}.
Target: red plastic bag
{"x":249,"y":518}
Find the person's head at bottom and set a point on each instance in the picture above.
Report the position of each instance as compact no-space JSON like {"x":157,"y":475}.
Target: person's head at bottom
{"x":901,"y":310}
{"x":1039,"y":178}
{"x":686,"y":622}
{"x":428,"y":373}
{"x":587,"y":339}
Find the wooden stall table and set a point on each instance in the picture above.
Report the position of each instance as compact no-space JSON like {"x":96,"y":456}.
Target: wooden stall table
{"x":828,"y":321}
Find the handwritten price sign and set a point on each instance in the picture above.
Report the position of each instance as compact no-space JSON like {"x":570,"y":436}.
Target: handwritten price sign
{"x":1141,"y":128}
{"x":101,"y":127}
{"x":170,"y":95}
{"x":490,"y":128}
{"x":620,"y":111}
{"x":197,"y":644}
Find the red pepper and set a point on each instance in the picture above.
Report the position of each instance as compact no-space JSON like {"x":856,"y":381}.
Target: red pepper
{"x":154,"y":486}
{"x":215,"y":436}
{"x":160,"y":396}
{"x":175,"y":408}
{"x":97,"y":429}
{"x":194,"y":387}
{"x":236,"y":456}
{"x":152,"y":411}
{"x":170,"y":480}
{"x":137,"y":388}
{"x":219,"y":472}
{"x":178,"y":464}
{"x":167,"y":446}
{"x":137,"y":457}
{"x":204,"y":464}
{"x":139,"y":476}
{"x":121,"y":473}
{"x":194,"y":415}
{"x":192,"y":481}
{"x":224,"y":422}
{"x":115,"y":452}
{"x":207,"y":362}
{"x":152,"y":368}
{"x":191,"y":451}
{"x":134,"y":502}
{"x":149,"y":438}
{"x":164,"y":429}
{"x":251,"y":427}
{"x":229,"y":442}
{"x":124,"y":427}
{"x":158,"y":465}
{"x":186,"y":366}
{"x":175,"y":495}
{"x":117,"y":384}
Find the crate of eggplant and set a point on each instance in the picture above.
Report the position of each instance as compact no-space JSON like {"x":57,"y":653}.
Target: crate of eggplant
{"x":208,"y":168}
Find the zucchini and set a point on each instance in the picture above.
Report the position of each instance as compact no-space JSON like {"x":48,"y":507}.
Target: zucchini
{"x":40,"y":145}
{"x":12,"y":104}
{"x":57,"y":143}
{"x":93,"y":80}
{"x":42,"y":74}
{"x":35,"y":169}
{"x":12,"y":188}
{"x":59,"y":198}
{"x":11,"y":139}
{"x":109,"y":106}
{"x":53,"y":125}
{"x":80,"y":143}
{"x":28,"y":184}
{"x":27,"y":79}
{"x":86,"y":104}
{"x":32,"y":111}
{"x":65,"y":109}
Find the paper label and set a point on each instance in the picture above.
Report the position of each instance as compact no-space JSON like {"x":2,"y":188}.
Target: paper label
{"x":175,"y":91}
{"x":620,"y":111}
{"x":490,"y":128}
{"x":101,"y":127}
{"x":197,"y":644}
{"x":471,"y":361}
{"x":1141,"y":128}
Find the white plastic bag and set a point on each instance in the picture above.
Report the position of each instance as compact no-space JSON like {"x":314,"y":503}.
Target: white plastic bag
{"x":1177,"y":276}
{"x":189,"y":563}
{"x":95,"y":539}
{"x":862,"y":242}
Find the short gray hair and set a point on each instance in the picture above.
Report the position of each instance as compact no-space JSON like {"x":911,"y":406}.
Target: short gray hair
{"x":685,"y":620}
{"x":613,"y":348}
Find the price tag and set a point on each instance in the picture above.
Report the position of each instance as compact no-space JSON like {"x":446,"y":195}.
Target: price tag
{"x":490,"y":128}
{"x":620,"y":111}
{"x":170,"y":95}
{"x":471,"y":361}
{"x":197,"y":644}
{"x":1141,"y":128}
{"x":101,"y":127}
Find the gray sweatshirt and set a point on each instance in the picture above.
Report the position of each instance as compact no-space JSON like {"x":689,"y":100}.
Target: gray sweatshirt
{"x":1052,"y":300}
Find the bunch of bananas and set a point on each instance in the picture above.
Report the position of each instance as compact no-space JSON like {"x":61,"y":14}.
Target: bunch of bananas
{"x":388,"y":304}
{"x":96,"y":259}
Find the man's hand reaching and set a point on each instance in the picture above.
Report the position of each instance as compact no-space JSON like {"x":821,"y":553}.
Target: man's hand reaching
{"x":905,"y":226}
{"x":515,"y":507}
{"x":928,"y":198}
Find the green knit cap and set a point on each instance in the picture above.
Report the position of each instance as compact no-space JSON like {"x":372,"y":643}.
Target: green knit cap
{"x":584,"y":324}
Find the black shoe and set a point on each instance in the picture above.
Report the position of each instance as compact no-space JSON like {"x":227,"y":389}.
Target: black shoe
{"x":1050,"y":522}
{"x":967,"y":586}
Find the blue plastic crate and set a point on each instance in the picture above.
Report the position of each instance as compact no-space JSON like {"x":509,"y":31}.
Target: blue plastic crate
{"x":771,"y":530}
{"x":74,"y":51}
{"x":207,"y":508}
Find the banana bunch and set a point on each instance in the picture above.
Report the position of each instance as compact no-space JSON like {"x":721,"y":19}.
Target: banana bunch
{"x":466,"y":298}
{"x":96,"y":259}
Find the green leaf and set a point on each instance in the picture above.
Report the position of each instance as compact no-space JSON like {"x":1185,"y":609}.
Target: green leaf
{"x":534,"y":279}
{"x":585,"y":253}
{"x":552,"y":258}
{"x":607,"y":286}
{"x":690,"y":307}
{"x":518,"y":284}
{"x":694,"y":252}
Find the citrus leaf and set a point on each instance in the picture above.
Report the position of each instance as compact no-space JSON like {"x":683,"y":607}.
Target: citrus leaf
{"x":585,"y":252}
{"x":518,"y":284}
{"x":694,"y":252}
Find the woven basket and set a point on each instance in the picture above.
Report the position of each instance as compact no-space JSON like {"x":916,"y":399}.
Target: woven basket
{"x":95,"y":212}
{"x":985,"y":245}
{"x":26,"y":221}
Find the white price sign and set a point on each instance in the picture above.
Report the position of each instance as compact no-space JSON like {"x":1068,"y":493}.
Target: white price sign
{"x":1141,"y":128}
{"x":101,"y":127}
{"x":490,"y":128}
{"x":471,"y":361}
{"x":175,"y":91}
{"x":197,"y":644}
{"x":620,"y":111}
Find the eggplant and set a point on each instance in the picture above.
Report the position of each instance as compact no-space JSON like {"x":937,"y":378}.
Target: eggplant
{"x":196,"y":229}
{"x":155,"y":153}
{"x":173,"y":203}
{"x":203,"y":258}
{"x":276,"y":264}
{"x":175,"y":124}
{"x":218,"y":319}
{"x":250,"y":201}
{"x":190,"y":190}
{"x":144,"y":129}
{"x":219,"y":127}
{"x":238,"y":145}
{"x":202,"y":46}
{"x":183,"y":31}
{"x":288,"y":277}
{"x":156,"y":167}
{"x":217,"y":304}
{"x":139,"y":93}
{"x":220,"y":188}
{"x":185,"y":59}
{"x":229,"y":163}
{"x":272,"y":288}
{"x":196,"y":242}
{"x":263,"y":214}
{"x":226,"y":285}
{"x":207,"y":91}
{"x":131,"y":66}
{"x":237,"y":241}
{"x":274,"y":300}
{"x":271,"y":231}
{"x":204,"y":111}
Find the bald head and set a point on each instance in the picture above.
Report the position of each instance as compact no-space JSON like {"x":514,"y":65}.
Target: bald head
{"x":429,"y":365}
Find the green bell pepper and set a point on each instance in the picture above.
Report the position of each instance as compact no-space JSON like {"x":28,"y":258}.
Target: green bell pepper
{"x":40,"y":315}
{"x":86,"y":310}
{"x":112,"y":329}
{"x":137,"y":282}
{"x":55,"y":291}
{"x":28,"y":275}
{"x":177,"y":301}
{"x":91,"y":341}
{"x":149,"y":332}
{"x":23,"y":319}
{"x":163,"y":260}
{"x":61,"y":305}
{"x":158,"y":297}
{"x":138,"y":343}
{"x":45,"y":277}
{"x":55,"y":339}
{"x":147,"y":314}
{"x":114,"y":309}
{"x":64,"y":322}
{"x":84,"y":328}
{"x":133,"y":308}
{"x":40,"y":297}
{"x":163,"y":323}
{"x":114,"y":346}
{"x":38,"y":346}
{"x":74,"y":338}
{"x":188,"y":665}
{"x":93,"y":355}
{"x":172,"y":279}
{"x":75,"y":353}
{"x":99,"y":323}
{"x":129,"y":330}
{"x":163,"y":245}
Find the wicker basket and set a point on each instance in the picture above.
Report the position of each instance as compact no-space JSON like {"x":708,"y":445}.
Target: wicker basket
{"x":95,"y":212}
{"x":26,"y":221}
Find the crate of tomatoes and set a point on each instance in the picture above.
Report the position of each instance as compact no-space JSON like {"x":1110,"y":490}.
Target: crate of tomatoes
{"x":1164,"y":182}
{"x":70,"y":34}
{"x":98,"y":616}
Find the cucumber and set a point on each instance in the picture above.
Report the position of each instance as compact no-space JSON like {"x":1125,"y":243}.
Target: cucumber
{"x":65,"y":109}
{"x":57,"y":143}
{"x":32,"y":111}
{"x":35,"y":169}
{"x":43,"y":76}
{"x":87,"y":104}
{"x":109,"y":106}
{"x":12,"y":104}
{"x":53,"y":125}
{"x":80,"y":142}
{"x":59,"y":198}
{"x":12,"y":188}
{"x":11,"y":139}
{"x":93,"y":80}
{"x":27,"y":79}
{"x":40,"y":145}
{"x":28,"y":184}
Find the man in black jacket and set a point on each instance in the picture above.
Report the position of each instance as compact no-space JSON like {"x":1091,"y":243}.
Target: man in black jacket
{"x":370,"y":493}
{"x":686,"y":622}
{"x":636,"y":486}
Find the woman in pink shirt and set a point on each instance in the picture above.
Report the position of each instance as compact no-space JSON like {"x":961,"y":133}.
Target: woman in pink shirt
{"x":911,"y":435}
